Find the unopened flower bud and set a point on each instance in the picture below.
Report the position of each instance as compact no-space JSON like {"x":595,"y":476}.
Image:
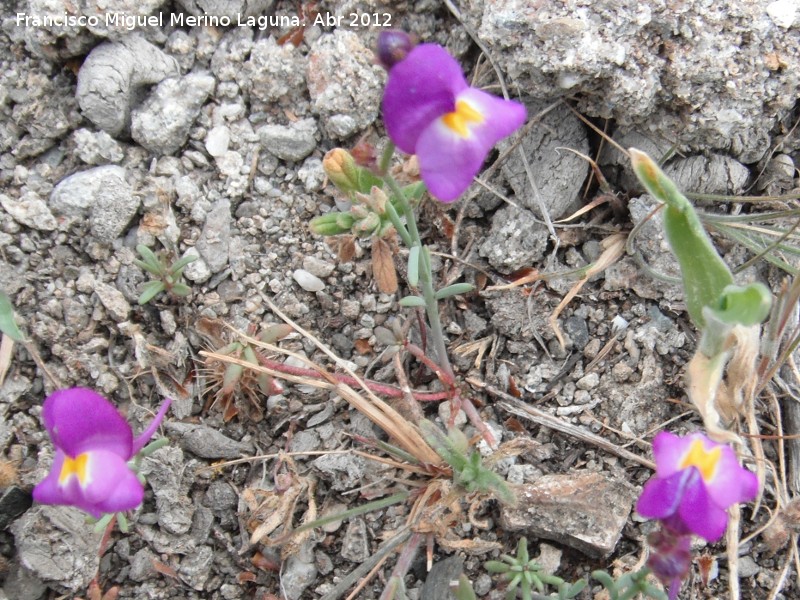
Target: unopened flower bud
{"x":331,"y":224}
{"x":341,"y":169}
{"x":377,"y":200}
{"x":393,"y":46}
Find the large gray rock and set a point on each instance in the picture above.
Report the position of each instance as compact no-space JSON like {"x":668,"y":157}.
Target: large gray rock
{"x":56,"y":545}
{"x":705,"y":75}
{"x":583,"y":510}
{"x":112,"y":77}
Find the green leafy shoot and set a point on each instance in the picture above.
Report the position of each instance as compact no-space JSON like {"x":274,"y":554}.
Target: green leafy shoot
{"x":629,"y":586}
{"x":705,"y":275}
{"x":522,"y":572}
{"x":168,"y":278}
{"x":468,"y":471}
{"x":7,"y":323}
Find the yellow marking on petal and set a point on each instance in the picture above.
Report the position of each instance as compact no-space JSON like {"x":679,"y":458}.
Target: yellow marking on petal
{"x":706,"y":461}
{"x":459,"y":120}
{"x":78,"y":466}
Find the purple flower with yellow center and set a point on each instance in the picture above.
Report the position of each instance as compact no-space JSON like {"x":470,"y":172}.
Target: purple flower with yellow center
{"x":430,"y":110}
{"x":696,"y":481}
{"x":93,"y":446}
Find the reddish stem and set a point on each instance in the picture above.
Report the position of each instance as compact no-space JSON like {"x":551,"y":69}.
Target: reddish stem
{"x":379,"y":388}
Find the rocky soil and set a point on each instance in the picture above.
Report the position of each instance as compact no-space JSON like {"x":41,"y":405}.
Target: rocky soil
{"x":199,"y":139}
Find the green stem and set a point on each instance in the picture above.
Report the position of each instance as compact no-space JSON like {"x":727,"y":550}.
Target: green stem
{"x":425,"y":276}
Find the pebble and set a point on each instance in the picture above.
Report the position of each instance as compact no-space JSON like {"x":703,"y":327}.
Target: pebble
{"x":290,"y":142}
{"x":784,"y":13}
{"x":299,"y":572}
{"x":355,"y":544}
{"x":166,"y":473}
{"x":102,"y":194}
{"x":113,"y":300}
{"x":196,"y":271}
{"x":195,"y":568}
{"x":214,"y":242}
{"x":588,"y":382}
{"x":318,"y":267}
{"x":207,"y":442}
{"x":217,"y":140}
{"x":29,"y":210}
{"x":97,"y":147}
{"x":162,"y":123}
{"x":307,"y":281}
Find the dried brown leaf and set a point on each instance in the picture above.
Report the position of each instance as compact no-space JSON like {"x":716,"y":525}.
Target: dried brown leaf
{"x":383,"y":266}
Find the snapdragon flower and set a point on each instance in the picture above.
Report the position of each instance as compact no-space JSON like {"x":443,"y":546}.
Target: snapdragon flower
{"x":93,"y":446}
{"x":430,"y":110}
{"x":696,"y":481}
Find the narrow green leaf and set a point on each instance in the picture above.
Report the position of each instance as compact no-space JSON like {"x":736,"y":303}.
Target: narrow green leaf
{"x":334,"y":223}
{"x":181,"y":289}
{"x":180,"y":264}
{"x":454,"y":290}
{"x":150,"y":290}
{"x":413,"y":266}
{"x":495,"y":566}
{"x":149,"y":257}
{"x":412,"y":301}
{"x":7,"y":323}
{"x":156,"y":270}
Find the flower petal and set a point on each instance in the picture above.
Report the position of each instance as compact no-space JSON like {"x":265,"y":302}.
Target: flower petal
{"x":661,"y":497}
{"x":145,"y":436}
{"x":80,"y":420}
{"x":731,"y":482}
{"x":420,"y":89}
{"x":109,"y":485}
{"x":699,"y":512}
{"x":669,"y":450}
{"x":501,"y":117}
{"x":447,"y":161}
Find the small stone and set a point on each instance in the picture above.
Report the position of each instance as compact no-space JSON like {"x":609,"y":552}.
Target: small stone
{"x":355,"y":544}
{"x":783,"y":12}
{"x":167,"y":476}
{"x":588,"y":382}
{"x":214,"y":242}
{"x":318,"y":267}
{"x":113,"y":300}
{"x":516,"y":240}
{"x":312,"y":174}
{"x":13,"y":503}
{"x":220,"y":496}
{"x":307,"y":281}
{"x":102,"y":194}
{"x":299,"y":572}
{"x":217,"y":141}
{"x":437,"y":583}
{"x":207,"y":442}
{"x":583,"y":510}
{"x":197,"y":270}
{"x":142,"y":565}
{"x":195,"y":568}
{"x":344,"y":470}
{"x":30,"y":210}
{"x":290,"y":142}
{"x":161,"y":124}
{"x":97,"y":147}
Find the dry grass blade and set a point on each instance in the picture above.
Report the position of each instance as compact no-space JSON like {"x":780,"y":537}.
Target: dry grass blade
{"x":378,"y":411}
{"x":6,"y":350}
{"x":614,"y":248}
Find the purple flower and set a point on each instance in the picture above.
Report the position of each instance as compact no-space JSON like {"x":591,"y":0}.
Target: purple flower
{"x":696,"y":481}
{"x":430,"y":110}
{"x":93,"y":446}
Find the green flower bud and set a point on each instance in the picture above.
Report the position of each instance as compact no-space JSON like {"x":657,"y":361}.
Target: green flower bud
{"x":341,"y":169}
{"x":333,"y":223}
